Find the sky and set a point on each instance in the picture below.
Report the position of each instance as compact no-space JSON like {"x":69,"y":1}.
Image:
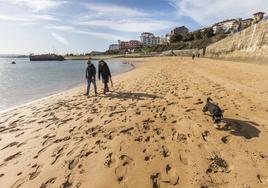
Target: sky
{"x":82,"y":26}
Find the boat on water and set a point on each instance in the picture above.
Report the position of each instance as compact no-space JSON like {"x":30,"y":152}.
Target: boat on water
{"x":13,"y":62}
{"x":46,"y":57}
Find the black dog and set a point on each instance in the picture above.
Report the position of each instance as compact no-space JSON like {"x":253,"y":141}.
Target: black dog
{"x":214,"y":110}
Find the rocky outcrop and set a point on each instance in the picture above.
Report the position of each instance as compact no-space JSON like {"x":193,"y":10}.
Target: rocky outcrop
{"x":250,"y":44}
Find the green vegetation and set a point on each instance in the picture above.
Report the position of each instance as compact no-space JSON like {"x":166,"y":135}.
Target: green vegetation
{"x":198,"y":39}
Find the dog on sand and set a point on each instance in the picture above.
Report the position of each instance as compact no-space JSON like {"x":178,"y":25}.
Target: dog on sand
{"x":214,"y":110}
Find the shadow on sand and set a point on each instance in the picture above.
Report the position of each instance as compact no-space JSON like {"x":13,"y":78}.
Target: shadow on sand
{"x":246,"y":129}
{"x":129,"y":95}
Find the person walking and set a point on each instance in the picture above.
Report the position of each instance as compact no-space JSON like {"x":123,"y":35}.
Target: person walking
{"x":193,"y":55}
{"x":105,"y":74}
{"x":91,"y":77}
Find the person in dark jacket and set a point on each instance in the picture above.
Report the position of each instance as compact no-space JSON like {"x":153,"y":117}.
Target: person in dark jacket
{"x":91,"y":77}
{"x":105,"y":73}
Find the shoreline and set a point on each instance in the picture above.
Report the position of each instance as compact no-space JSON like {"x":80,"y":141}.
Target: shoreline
{"x":149,"y":131}
{"x":56,"y":93}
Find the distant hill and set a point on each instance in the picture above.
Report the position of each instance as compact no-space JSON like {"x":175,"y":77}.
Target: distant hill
{"x":13,"y":56}
{"x":94,"y":53}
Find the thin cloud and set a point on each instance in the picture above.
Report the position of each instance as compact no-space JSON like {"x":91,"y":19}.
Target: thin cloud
{"x":60,"y":39}
{"x":100,"y":35}
{"x":129,"y":25}
{"x":114,"y":10}
{"x":60,"y":27}
{"x":121,"y":18}
{"x":207,"y":12}
{"x":38,"y":5}
{"x":71,"y":29}
{"x":27,"y":17}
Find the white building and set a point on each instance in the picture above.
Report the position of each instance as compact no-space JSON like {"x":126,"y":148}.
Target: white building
{"x":165,"y":39}
{"x":114,"y":47}
{"x":148,"y":39}
{"x":226,"y":26}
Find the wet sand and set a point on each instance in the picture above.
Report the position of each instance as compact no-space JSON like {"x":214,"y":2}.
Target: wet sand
{"x":149,"y":132}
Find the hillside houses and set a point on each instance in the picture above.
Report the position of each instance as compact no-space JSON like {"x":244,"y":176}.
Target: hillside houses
{"x":125,"y":45}
{"x":226,"y":26}
{"x":258,"y":16}
{"x":183,"y":38}
{"x":235,"y":25}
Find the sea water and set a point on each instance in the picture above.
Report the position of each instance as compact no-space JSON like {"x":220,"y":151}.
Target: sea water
{"x":26,"y":81}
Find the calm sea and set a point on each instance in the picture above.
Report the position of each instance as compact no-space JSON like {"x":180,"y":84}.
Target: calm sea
{"x":27,"y":81}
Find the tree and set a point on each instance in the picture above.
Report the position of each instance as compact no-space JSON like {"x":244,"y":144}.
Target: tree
{"x":197,"y":35}
{"x":188,"y":37}
{"x":176,"y":38}
{"x":207,"y":33}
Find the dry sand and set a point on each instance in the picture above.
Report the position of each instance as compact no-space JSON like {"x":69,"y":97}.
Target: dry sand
{"x":150,"y":133}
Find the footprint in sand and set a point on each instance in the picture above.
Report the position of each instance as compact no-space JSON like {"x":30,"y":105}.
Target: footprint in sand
{"x":73,"y":163}
{"x":19,"y":182}
{"x":120,"y":173}
{"x":172,"y":175}
{"x":165,"y":151}
{"x":34,"y":174}
{"x":58,"y":152}
{"x":155,"y":180}
{"x":158,"y":131}
{"x":18,"y":135}
{"x":226,"y":139}
{"x":262,"y":179}
{"x":217,"y":165}
{"x":183,"y":159}
{"x":48,"y":183}
{"x":13,"y":156}
{"x":110,"y":160}
{"x":182,"y":138}
{"x":121,"y":170}
{"x":10,"y":145}
{"x":139,"y":139}
{"x":205,"y":135}
{"x":126,"y":160}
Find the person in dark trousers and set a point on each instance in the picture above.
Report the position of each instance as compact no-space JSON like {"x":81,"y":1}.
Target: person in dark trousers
{"x":105,"y":73}
{"x":91,"y":77}
{"x":193,"y":56}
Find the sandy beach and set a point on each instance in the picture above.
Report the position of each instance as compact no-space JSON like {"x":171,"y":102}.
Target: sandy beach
{"x":150,"y":132}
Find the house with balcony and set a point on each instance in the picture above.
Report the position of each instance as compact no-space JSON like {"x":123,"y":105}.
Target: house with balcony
{"x":246,"y":23}
{"x":234,"y":25}
{"x":148,"y":39}
{"x":258,"y":16}
{"x":133,"y":44}
{"x":226,"y":26}
{"x":128,"y":45}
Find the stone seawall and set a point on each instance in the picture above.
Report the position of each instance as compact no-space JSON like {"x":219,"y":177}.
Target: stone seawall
{"x":250,"y":44}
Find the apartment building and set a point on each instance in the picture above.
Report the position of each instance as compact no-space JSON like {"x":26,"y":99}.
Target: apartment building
{"x":148,"y":39}
{"x":114,"y":47}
